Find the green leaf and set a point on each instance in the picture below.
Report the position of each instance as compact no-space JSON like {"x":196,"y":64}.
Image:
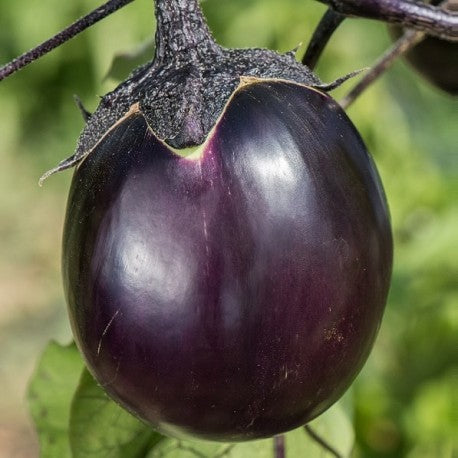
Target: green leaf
{"x":100,"y":428}
{"x":334,"y":427}
{"x":49,"y":396}
{"x":174,"y":448}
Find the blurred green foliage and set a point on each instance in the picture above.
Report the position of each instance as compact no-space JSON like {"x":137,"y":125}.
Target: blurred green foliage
{"x":406,"y":396}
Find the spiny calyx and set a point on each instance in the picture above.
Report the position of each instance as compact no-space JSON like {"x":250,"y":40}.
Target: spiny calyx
{"x":184,"y":89}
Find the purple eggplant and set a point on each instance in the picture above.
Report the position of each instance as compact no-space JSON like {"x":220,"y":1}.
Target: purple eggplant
{"x":234,"y":293}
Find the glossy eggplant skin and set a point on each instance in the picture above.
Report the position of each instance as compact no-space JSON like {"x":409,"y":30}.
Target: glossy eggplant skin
{"x":236,"y":295}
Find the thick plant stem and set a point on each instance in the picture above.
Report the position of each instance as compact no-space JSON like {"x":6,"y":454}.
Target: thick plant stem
{"x":74,"y":29}
{"x":181,"y":29}
{"x":412,"y":14}
{"x":279,"y":446}
{"x":406,"y":42}
{"x":327,"y":26}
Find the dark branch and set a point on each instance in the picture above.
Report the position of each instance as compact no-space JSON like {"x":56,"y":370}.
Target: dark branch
{"x":66,"y":34}
{"x":327,"y":26}
{"x":408,"y":13}
{"x":320,"y":441}
{"x":279,"y":446}
{"x":406,"y":42}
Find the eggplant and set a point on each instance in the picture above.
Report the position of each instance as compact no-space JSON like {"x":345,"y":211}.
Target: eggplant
{"x":234,"y":290}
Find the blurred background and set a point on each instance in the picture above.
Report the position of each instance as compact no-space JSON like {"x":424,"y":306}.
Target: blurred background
{"x":405,"y":396}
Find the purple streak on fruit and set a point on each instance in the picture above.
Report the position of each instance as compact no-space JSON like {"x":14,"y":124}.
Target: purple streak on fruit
{"x":236,"y":295}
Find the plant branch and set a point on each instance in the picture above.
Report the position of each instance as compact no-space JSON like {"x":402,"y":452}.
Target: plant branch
{"x":74,"y":29}
{"x":406,"y":42}
{"x":279,"y":446}
{"x":326,"y":27}
{"x":320,"y":441}
{"x":411,"y":14}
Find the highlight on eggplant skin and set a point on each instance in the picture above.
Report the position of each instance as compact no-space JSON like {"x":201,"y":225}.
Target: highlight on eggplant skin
{"x":234,"y":295}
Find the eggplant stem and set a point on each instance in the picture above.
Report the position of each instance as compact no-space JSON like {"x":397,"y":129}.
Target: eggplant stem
{"x":417,"y":15}
{"x":279,"y":446}
{"x":181,"y":30}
